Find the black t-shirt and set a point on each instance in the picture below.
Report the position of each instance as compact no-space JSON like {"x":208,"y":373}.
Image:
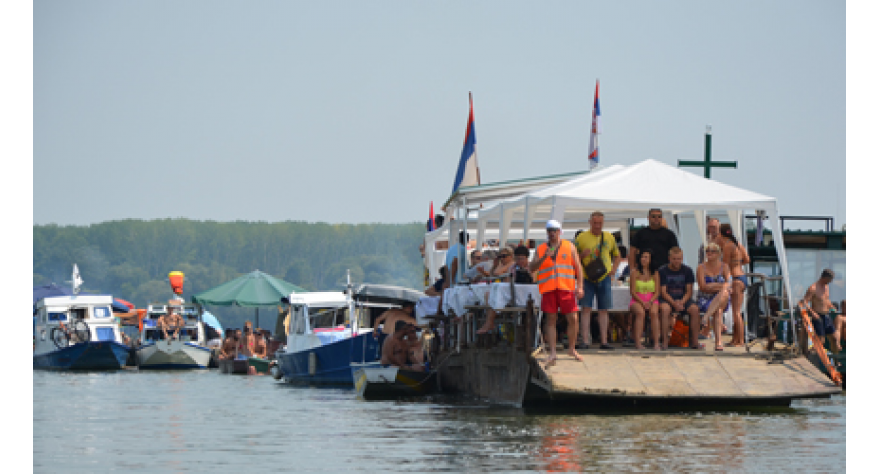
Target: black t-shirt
{"x":522,"y":275}
{"x":676,"y":281}
{"x":658,"y":241}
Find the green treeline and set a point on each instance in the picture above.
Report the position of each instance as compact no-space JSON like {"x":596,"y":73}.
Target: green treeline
{"x":131,"y":259}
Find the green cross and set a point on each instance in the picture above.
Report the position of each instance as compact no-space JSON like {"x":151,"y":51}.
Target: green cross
{"x":708,"y":164}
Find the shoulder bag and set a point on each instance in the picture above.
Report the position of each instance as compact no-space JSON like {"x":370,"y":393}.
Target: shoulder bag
{"x":596,"y":269}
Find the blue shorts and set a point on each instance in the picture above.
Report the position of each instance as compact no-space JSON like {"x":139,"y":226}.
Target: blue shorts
{"x":743,"y":279}
{"x":823,"y":325}
{"x":602,"y":292}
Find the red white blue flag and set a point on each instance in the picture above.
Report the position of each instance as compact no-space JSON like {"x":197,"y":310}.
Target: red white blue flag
{"x":431,"y":218}
{"x":468,"y":173}
{"x":594,"y":133}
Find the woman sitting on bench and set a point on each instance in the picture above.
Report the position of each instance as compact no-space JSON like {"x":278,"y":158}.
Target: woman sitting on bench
{"x":713,"y":279}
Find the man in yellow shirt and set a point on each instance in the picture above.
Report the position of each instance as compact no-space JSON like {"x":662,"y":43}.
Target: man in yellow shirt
{"x":592,"y":245}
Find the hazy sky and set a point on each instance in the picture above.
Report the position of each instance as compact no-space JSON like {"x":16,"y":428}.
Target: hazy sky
{"x":356,"y":111}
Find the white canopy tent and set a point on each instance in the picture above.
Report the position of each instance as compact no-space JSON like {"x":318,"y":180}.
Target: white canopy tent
{"x":629,"y":192}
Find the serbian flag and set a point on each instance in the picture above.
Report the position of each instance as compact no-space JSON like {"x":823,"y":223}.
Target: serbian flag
{"x":468,"y":170}
{"x":431,"y":218}
{"x":594,"y":134}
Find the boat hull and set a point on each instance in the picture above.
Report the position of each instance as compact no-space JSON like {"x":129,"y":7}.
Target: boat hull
{"x":173,"y":355}
{"x":233,"y":366}
{"x":329,"y":364}
{"x":85,"y":356}
{"x":375,"y":382}
{"x":260,"y":365}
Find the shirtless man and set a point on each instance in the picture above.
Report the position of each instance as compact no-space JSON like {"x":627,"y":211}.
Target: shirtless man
{"x":260,"y":348}
{"x":171,"y":320}
{"x":416,"y":349}
{"x":817,"y":297}
{"x":228,"y":349}
{"x":395,"y":350}
{"x":390,"y":318}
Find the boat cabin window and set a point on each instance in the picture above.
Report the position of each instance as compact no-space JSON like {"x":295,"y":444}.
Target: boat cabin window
{"x":54,"y":316}
{"x":329,"y":317}
{"x":101,"y":311}
{"x":105,"y":334}
{"x":79,"y":313}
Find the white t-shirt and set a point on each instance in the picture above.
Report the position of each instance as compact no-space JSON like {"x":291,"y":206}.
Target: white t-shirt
{"x":472,"y":272}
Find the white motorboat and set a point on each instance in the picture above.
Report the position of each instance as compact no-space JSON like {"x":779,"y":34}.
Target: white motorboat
{"x":188,"y":351}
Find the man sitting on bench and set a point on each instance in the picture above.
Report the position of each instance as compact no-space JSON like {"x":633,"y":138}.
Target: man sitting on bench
{"x":676,"y":289}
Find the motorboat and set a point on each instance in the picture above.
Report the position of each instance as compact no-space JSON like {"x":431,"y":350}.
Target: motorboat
{"x":188,"y":351}
{"x":328,"y":331}
{"x":375,"y":381}
{"x":77,"y":332}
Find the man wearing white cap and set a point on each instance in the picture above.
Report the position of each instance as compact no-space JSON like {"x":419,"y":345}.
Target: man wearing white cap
{"x":559,"y":280}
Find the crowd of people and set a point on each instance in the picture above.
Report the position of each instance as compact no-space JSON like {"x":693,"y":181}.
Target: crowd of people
{"x":242,"y":344}
{"x":573,"y":275}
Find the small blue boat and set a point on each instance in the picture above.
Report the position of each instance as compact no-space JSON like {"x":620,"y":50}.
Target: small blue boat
{"x":328,"y":331}
{"x":77,"y":332}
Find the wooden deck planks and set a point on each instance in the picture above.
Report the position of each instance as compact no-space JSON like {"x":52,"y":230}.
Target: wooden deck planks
{"x":698,"y":374}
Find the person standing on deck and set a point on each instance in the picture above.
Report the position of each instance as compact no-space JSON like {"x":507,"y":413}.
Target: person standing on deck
{"x":455,"y":259}
{"x":656,"y":238}
{"x":711,"y":236}
{"x":817,"y":297}
{"x":592,"y":245}
{"x":560,"y":283}
{"x":733,"y":253}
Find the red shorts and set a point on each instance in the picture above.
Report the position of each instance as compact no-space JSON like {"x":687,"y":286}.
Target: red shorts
{"x":559,"y":302}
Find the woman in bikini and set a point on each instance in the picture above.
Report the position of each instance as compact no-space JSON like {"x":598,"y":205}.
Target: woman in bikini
{"x":713,"y":279}
{"x":247,"y":342}
{"x":643,"y":288}
{"x":735,"y":256}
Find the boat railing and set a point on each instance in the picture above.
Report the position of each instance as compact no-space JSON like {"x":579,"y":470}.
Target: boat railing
{"x":775,"y":310}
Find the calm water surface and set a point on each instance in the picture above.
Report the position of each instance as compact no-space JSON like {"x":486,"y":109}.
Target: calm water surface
{"x":201,"y":421}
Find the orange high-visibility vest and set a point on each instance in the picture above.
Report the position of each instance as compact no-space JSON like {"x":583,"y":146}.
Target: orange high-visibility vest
{"x":559,"y":274}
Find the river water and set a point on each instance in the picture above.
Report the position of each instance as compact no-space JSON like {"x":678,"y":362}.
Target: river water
{"x":201,"y":421}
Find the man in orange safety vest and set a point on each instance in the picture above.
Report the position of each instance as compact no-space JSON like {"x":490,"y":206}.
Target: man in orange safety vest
{"x":561,"y":285}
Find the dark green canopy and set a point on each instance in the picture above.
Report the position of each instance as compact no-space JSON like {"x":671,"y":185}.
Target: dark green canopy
{"x":252,"y":290}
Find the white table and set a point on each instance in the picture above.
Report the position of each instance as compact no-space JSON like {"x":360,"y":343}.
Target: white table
{"x":499,"y":295}
{"x":426,"y":306}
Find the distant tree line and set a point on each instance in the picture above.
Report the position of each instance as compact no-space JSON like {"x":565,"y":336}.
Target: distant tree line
{"x":131,"y":259}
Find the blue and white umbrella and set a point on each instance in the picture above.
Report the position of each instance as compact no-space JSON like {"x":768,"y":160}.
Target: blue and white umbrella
{"x":212,"y":321}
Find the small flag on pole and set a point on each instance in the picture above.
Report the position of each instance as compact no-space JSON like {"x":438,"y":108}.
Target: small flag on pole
{"x":594,"y":133}
{"x":431,"y":218}
{"x":468,"y":173}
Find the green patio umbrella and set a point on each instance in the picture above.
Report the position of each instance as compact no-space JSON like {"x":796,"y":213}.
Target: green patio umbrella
{"x":252,"y":290}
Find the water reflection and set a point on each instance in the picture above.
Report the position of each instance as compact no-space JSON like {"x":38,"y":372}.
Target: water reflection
{"x":183,"y":422}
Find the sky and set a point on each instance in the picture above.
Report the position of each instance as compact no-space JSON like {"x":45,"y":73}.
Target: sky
{"x":355,"y":112}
